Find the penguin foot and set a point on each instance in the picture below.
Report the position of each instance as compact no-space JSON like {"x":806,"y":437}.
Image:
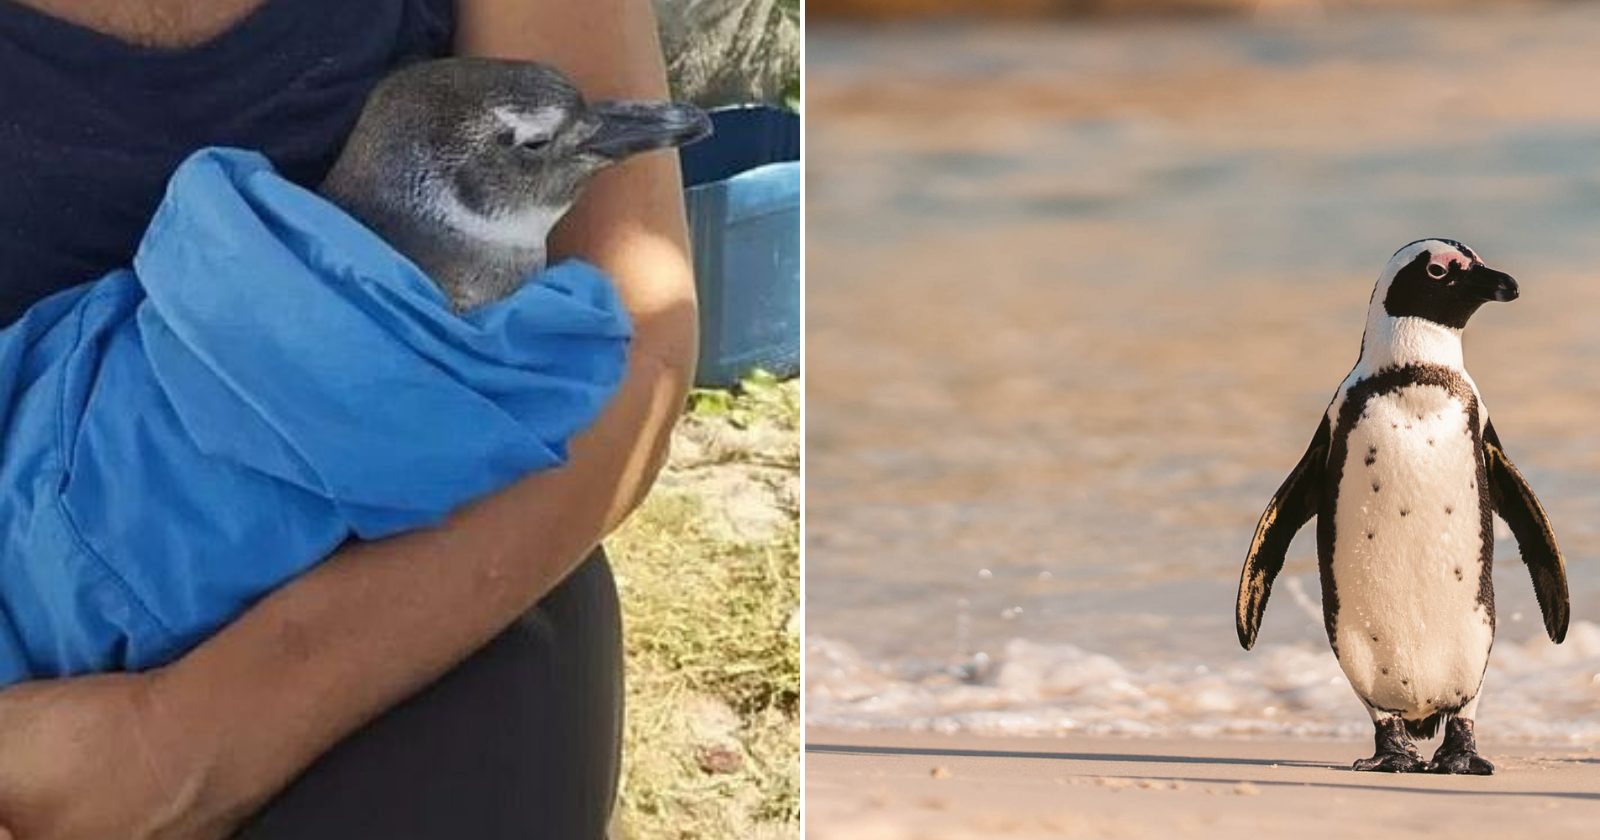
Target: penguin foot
{"x":1391,"y":762}
{"x":1394,"y":751}
{"x":1460,"y":764}
{"x":1458,"y":755}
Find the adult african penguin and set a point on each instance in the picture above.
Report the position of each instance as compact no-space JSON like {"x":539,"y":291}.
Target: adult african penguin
{"x":1404,"y":476}
{"x":465,"y":164}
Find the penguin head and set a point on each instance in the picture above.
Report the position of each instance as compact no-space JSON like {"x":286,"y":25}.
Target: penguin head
{"x":492,"y":151}
{"x":504,"y":147}
{"x":1439,"y":280}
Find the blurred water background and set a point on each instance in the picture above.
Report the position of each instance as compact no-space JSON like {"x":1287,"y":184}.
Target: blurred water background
{"x":1078,"y":290}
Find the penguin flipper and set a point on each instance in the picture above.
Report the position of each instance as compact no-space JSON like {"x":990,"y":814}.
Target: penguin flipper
{"x":1516,"y":504}
{"x":1292,"y":506}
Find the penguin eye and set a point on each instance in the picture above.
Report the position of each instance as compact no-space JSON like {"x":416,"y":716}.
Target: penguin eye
{"x":510,"y":138}
{"x":1436,"y":271}
{"x":528,"y":130}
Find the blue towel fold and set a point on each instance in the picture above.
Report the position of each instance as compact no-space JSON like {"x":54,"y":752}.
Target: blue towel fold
{"x":269,"y":379}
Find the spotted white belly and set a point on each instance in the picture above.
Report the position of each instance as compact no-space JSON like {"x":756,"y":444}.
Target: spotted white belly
{"x":1411,"y":634}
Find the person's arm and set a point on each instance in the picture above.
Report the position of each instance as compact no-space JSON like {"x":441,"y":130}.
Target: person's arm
{"x":237,"y":718}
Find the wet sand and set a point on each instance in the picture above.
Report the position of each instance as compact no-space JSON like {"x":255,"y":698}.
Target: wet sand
{"x":901,"y":786}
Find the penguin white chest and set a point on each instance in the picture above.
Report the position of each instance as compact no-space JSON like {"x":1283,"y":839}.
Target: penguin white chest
{"x":1409,"y":553}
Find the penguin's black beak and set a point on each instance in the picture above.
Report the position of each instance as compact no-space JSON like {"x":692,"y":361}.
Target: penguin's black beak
{"x":628,"y":128}
{"x":1484,"y":283}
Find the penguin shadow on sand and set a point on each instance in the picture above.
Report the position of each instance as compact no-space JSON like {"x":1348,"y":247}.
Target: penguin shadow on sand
{"x":1579,"y":795}
{"x":1046,"y":755}
{"x":1405,"y":475}
{"x":1334,"y":782}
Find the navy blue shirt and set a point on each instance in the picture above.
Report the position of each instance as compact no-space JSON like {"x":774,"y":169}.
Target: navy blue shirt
{"x":91,"y":126}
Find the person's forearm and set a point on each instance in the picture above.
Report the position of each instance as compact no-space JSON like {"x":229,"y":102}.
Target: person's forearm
{"x":377,"y":621}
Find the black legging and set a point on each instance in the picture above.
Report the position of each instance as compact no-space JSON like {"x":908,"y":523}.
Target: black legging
{"x":519,"y":741}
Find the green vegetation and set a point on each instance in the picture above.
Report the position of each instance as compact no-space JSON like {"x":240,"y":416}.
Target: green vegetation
{"x":710,"y":576}
{"x":761,"y":398}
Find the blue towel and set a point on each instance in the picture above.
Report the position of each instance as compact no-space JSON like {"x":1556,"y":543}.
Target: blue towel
{"x":269,"y":379}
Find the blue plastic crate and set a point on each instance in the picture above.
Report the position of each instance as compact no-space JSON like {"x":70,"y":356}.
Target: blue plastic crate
{"x":744,"y":217}
{"x":746,"y":136}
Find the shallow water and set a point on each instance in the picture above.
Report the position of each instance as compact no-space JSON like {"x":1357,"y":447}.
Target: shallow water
{"x":1077,"y":295}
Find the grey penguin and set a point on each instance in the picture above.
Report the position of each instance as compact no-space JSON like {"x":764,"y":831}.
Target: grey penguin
{"x":465,"y":164}
{"x":1404,"y":475}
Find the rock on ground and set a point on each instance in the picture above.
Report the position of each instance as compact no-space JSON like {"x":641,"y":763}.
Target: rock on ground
{"x":725,"y":52}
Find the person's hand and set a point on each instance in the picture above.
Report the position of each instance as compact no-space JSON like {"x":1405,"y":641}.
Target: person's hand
{"x":99,"y":757}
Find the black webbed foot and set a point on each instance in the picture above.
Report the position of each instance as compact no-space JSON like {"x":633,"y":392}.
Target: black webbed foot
{"x":1458,"y":755}
{"x":1398,"y":762}
{"x":1460,"y":764}
{"x":1395,"y":752}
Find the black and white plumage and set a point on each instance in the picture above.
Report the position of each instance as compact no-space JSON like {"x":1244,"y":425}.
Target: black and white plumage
{"x":465,"y":164}
{"x":1404,"y":476}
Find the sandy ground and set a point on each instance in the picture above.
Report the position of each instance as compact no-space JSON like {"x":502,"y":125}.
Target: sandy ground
{"x":889,"y":786}
{"x":708,"y":570}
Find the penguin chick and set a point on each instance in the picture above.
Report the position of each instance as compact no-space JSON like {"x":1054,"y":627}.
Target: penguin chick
{"x":465,"y":164}
{"x":1404,"y":476}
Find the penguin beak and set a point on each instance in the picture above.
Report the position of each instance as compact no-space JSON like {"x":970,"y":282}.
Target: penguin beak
{"x":1485,"y":284}
{"x":628,"y":128}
